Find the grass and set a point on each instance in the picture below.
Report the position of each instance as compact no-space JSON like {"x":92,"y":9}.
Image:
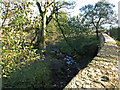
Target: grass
{"x":36,"y":75}
{"x":85,"y":46}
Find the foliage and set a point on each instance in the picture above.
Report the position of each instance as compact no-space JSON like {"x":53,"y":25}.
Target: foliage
{"x":77,"y":26}
{"x":16,"y":49}
{"x":47,"y":9}
{"x":79,"y":38}
{"x":52,"y":31}
{"x":118,"y":42}
{"x":115,"y":32}
{"x":82,"y":44}
{"x":18,"y":53}
{"x":34,"y":76}
{"x":22,"y":63}
{"x":96,"y":16}
{"x":16,"y":59}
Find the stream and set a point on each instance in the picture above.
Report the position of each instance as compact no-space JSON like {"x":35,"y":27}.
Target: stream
{"x":69,"y":60}
{"x":68,"y":69}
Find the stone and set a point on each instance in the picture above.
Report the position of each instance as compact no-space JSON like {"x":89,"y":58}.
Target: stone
{"x":99,"y":74}
{"x":114,"y":68}
{"x":77,"y":83}
{"x":102,"y":72}
{"x":98,"y":70}
{"x":104,"y":78}
{"x":87,"y":86}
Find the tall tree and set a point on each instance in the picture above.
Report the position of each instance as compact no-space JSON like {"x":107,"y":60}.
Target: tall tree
{"x":99,"y":14}
{"x":47,"y":10}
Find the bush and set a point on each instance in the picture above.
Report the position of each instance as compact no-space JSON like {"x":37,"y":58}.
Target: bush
{"x":115,"y":32}
{"x":18,"y":57}
{"x":22,"y":66}
{"x":86,"y":46}
{"x":34,"y":76}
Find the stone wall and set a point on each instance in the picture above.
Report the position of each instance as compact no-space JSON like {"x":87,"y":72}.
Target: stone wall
{"x":102,"y":71}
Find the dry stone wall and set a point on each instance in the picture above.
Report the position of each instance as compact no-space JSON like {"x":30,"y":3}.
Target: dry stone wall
{"x":102,"y":72}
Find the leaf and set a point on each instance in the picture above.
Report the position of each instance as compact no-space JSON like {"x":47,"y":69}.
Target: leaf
{"x":4,"y":75}
{"x":31,"y":3}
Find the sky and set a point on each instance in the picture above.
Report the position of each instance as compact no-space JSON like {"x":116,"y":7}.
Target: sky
{"x":80,"y":3}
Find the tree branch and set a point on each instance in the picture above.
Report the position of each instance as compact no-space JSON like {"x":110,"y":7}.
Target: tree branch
{"x":50,"y":4}
{"x":64,"y":35}
{"x":6,"y":14}
{"x":39,"y":7}
{"x":54,"y":11}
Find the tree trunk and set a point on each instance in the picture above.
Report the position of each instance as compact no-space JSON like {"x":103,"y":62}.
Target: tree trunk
{"x":44,"y":31}
{"x":41,"y":35}
{"x":39,"y":39}
{"x":97,"y":33}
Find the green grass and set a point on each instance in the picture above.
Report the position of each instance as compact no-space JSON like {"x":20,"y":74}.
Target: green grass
{"x":34,"y":76}
{"x":85,"y":46}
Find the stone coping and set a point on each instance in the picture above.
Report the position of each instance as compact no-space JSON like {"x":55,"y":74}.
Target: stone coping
{"x":102,"y":71}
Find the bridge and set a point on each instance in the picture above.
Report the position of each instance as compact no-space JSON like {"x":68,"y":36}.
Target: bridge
{"x":102,"y":71}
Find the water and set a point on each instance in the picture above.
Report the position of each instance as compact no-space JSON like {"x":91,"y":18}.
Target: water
{"x":69,"y":60}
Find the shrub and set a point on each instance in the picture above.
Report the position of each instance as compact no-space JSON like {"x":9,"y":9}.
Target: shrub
{"x":33,"y":76}
{"x":115,"y":32}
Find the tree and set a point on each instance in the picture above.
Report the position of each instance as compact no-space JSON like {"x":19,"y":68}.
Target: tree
{"x":15,"y":18}
{"x":77,"y":25}
{"x":9,"y":9}
{"x":47,"y":10}
{"x":99,"y":14}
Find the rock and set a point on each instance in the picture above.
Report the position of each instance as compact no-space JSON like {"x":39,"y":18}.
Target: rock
{"x":104,"y":78}
{"x":89,"y":70}
{"x":77,"y":83}
{"x":107,"y":85}
{"x":87,"y":86}
{"x":54,"y":85}
{"x":98,"y":70}
{"x":99,"y":73}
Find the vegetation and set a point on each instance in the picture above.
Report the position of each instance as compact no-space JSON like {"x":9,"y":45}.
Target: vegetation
{"x":25,"y":36}
{"x":115,"y":33}
{"x":97,"y":15}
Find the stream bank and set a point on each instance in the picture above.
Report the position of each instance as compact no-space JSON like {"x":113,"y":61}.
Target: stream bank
{"x":64,"y":67}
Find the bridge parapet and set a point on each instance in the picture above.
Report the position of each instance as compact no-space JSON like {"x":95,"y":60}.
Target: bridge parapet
{"x":102,"y":72}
